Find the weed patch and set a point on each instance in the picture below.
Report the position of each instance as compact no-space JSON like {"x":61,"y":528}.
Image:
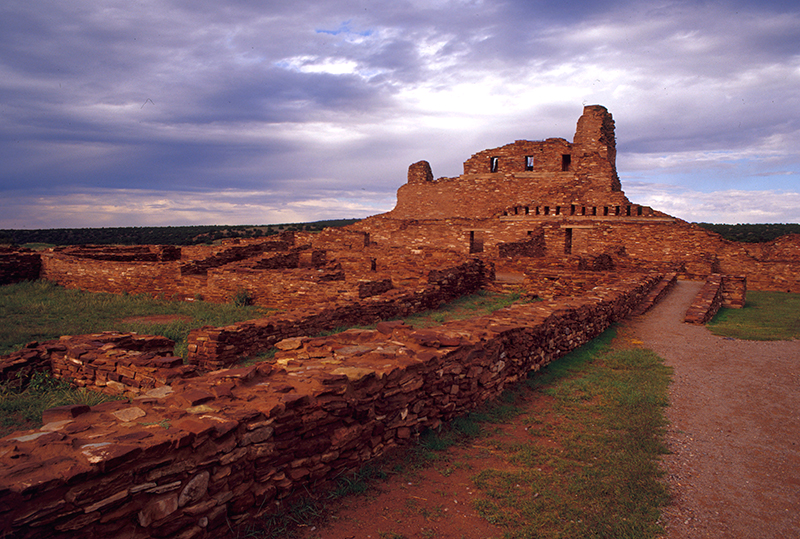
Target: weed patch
{"x":20,"y":410}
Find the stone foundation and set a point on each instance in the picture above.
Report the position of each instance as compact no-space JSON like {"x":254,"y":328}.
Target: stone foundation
{"x":718,"y":291}
{"x":215,"y":348}
{"x":19,"y":265}
{"x":189,"y":459}
{"x":111,"y":362}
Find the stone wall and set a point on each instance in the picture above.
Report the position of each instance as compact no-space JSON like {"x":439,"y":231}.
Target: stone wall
{"x":707,"y":302}
{"x":122,"y":253}
{"x":650,"y":242}
{"x":234,"y":254}
{"x":656,"y":294}
{"x":524,"y":172}
{"x":190,"y":459}
{"x":734,"y":291}
{"x":717,"y":292}
{"x":114,"y":363}
{"x":114,"y":276}
{"x":18,"y":265}
{"x":213,"y":348}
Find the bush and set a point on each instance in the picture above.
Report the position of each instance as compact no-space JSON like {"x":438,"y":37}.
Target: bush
{"x":242,"y":297}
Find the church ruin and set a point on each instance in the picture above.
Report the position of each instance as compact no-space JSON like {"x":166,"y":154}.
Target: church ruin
{"x":203,"y":443}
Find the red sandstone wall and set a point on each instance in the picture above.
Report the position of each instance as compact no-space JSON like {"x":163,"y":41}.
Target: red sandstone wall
{"x":213,"y":348}
{"x":19,"y":265}
{"x":152,"y":278}
{"x":111,"y":362}
{"x":522,"y":173}
{"x":707,"y":302}
{"x":221,"y":449}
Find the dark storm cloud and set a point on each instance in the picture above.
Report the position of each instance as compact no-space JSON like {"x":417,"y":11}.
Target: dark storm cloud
{"x":322,"y":105}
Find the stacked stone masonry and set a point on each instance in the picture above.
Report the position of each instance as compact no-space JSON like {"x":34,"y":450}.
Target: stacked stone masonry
{"x":114,"y":363}
{"x":718,"y":291}
{"x":19,"y":265}
{"x":190,"y":458}
{"x":207,"y":445}
{"x":213,"y":348}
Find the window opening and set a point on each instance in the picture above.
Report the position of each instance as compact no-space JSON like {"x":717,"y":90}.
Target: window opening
{"x":566,"y":160}
{"x":547,"y":210}
{"x":567,"y":241}
{"x":558,"y":210}
{"x":638,"y":210}
{"x":605,"y":210}
{"x":475,"y":241}
{"x":572,"y":210}
{"x":529,"y":162}
{"x":493,"y":164}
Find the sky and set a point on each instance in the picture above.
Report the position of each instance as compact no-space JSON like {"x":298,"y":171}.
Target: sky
{"x":181,"y":112}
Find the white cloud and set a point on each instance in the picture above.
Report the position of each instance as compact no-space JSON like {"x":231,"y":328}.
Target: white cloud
{"x":130,"y":207}
{"x":99,"y":95}
{"x":729,"y":206}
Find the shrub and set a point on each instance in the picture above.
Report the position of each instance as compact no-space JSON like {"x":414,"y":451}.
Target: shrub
{"x":242,"y":297}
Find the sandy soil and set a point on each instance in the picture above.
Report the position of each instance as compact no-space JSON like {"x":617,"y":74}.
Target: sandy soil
{"x":734,"y":467}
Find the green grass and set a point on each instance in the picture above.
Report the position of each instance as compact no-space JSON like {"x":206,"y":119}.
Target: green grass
{"x":20,"y":410}
{"x":474,"y":305}
{"x":598,"y":474}
{"x":40,"y":311}
{"x":766,"y":316}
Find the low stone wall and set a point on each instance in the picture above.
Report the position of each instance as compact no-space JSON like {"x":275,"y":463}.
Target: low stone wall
{"x":19,"y":265}
{"x":213,"y":348}
{"x":717,"y":292}
{"x":116,"y":277}
{"x":123,"y":253}
{"x":734,"y":291}
{"x":190,"y":459}
{"x":656,"y":294}
{"x":235,"y":254}
{"x":114,"y":363}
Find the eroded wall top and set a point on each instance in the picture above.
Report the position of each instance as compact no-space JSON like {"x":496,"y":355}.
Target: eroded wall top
{"x":553,"y":171}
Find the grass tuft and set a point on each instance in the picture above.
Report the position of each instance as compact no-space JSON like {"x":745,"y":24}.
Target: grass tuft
{"x":20,"y":410}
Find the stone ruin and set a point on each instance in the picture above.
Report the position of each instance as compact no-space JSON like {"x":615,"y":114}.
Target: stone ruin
{"x":203,"y":445}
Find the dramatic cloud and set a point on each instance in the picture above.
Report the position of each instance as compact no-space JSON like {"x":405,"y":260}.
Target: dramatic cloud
{"x":174,"y":112}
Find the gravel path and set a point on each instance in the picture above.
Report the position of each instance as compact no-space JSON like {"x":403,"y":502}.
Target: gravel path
{"x":734,"y":428}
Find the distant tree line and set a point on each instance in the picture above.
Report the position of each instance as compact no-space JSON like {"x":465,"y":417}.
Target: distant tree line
{"x":157,"y":235}
{"x":752,"y":233}
{"x":193,"y":235}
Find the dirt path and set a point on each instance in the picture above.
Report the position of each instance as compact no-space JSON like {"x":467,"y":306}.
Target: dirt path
{"x":734,"y":437}
{"x":734,"y":427}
